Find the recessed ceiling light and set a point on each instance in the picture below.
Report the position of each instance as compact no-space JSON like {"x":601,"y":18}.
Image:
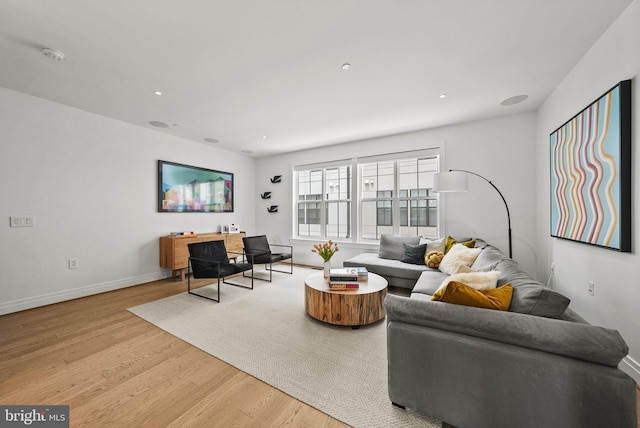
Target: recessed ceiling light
{"x":158,"y":124}
{"x":54,"y":54}
{"x":346,"y":66}
{"x":157,"y":93}
{"x":211,"y":140}
{"x":264,"y":137}
{"x":514,"y":100}
{"x":443,"y":96}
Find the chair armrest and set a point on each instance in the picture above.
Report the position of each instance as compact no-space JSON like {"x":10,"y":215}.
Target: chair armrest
{"x":290,"y":247}
{"x":240,"y":253}
{"x":257,"y":253}
{"x":208,"y":261}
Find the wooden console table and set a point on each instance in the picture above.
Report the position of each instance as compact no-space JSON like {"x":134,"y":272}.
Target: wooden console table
{"x":174,"y":253}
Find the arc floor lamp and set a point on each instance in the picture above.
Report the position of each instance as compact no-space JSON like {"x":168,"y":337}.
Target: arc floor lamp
{"x":455,"y":180}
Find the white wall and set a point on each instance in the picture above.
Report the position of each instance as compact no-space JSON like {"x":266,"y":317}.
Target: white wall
{"x":500,"y":149}
{"x":616,"y":275}
{"x":90,"y":182}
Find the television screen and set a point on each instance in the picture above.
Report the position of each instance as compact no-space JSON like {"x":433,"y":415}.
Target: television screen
{"x":184,"y":188}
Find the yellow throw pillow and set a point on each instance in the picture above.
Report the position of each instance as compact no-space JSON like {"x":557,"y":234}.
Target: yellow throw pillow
{"x":460,"y":294}
{"x":450,"y":242}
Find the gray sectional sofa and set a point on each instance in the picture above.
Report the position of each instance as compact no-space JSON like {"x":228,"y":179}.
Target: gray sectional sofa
{"x":539,"y":364}
{"x":387,"y":262}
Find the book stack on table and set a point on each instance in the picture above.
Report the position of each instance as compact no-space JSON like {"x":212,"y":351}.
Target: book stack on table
{"x":347,"y":278}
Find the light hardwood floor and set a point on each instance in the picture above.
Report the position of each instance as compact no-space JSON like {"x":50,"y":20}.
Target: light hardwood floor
{"x":115,"y":370}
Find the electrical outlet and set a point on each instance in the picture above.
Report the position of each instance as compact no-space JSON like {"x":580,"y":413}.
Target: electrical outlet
{"x":592,"y":287}
{"x":74,"y":263}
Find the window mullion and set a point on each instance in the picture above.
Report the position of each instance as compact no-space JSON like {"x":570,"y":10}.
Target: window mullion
{"x":395,"y":202}
{"x":323,"y":205}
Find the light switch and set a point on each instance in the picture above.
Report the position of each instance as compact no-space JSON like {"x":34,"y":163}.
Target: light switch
{"x":24,"y":221}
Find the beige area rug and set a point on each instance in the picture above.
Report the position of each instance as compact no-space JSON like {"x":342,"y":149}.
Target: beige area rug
{"x":266,"y":333}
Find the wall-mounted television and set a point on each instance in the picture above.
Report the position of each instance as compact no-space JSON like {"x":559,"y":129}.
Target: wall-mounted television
{"x":591,"y":173}
{"x":184,"y":188}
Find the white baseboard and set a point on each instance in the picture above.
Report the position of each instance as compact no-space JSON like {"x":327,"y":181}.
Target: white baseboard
{"x":61,"y":296}
{"x":631,"y":367}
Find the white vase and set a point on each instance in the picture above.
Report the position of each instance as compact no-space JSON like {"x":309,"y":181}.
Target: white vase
{"x":327,"y":268}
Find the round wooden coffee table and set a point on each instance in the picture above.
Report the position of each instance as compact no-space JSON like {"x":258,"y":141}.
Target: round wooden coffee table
{"x":345,"y":307}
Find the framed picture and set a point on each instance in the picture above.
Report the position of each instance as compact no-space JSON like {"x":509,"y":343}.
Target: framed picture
{"x":591,"y":173}
{"x":184,"y":188}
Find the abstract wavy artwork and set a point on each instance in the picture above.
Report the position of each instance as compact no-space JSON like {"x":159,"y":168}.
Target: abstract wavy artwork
{"x":591,"y":173}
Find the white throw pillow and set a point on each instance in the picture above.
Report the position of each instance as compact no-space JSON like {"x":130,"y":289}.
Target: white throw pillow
{"x":435,"y":245}
{"x":458,"y":255}
{"x":477,"y":280}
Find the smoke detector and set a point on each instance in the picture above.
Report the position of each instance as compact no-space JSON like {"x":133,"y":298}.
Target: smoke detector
{"x":53,"y":54}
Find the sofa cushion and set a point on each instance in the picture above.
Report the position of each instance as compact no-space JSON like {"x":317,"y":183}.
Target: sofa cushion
{"x":428,"y":282}
{"x":488,"y":259}
{"x":414,"y":254}
{"x":459,"y":254}
{"x":392,"y":247}
{"x":460,"y":294}
{"x":530,"y":296}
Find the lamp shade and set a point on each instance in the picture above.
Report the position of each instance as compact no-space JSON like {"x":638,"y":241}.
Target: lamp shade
{"x":452,"y":181}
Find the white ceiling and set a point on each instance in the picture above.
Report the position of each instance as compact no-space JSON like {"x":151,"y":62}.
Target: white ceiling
{"x":239,"y":70}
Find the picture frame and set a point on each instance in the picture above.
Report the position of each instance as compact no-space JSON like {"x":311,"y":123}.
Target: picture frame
{"x":590,"y":170}
{"x":185,"y":188}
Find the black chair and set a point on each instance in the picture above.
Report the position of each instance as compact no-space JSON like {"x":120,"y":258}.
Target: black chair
{"x":258,"y":249}
{"x":211,"y":260}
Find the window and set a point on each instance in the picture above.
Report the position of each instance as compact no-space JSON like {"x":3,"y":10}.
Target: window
{"x":324,"y":202}
{"x":399,"y":193}
{"x":393,"y":194}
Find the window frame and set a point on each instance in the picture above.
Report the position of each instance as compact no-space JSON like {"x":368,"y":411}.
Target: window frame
{"x":355,"y":223}
{"x":396,"y":197}
{"x":324,"y":201}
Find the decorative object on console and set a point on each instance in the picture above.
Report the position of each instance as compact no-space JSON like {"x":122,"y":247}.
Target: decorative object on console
{"x":276,"y":179}
{"x":231,"y":228}
{"x":272,"y":209}
{"x":183,"y":188}
{"x":456,"y":181}
{"x":591,"y":173}
{"x":266,"y":195}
